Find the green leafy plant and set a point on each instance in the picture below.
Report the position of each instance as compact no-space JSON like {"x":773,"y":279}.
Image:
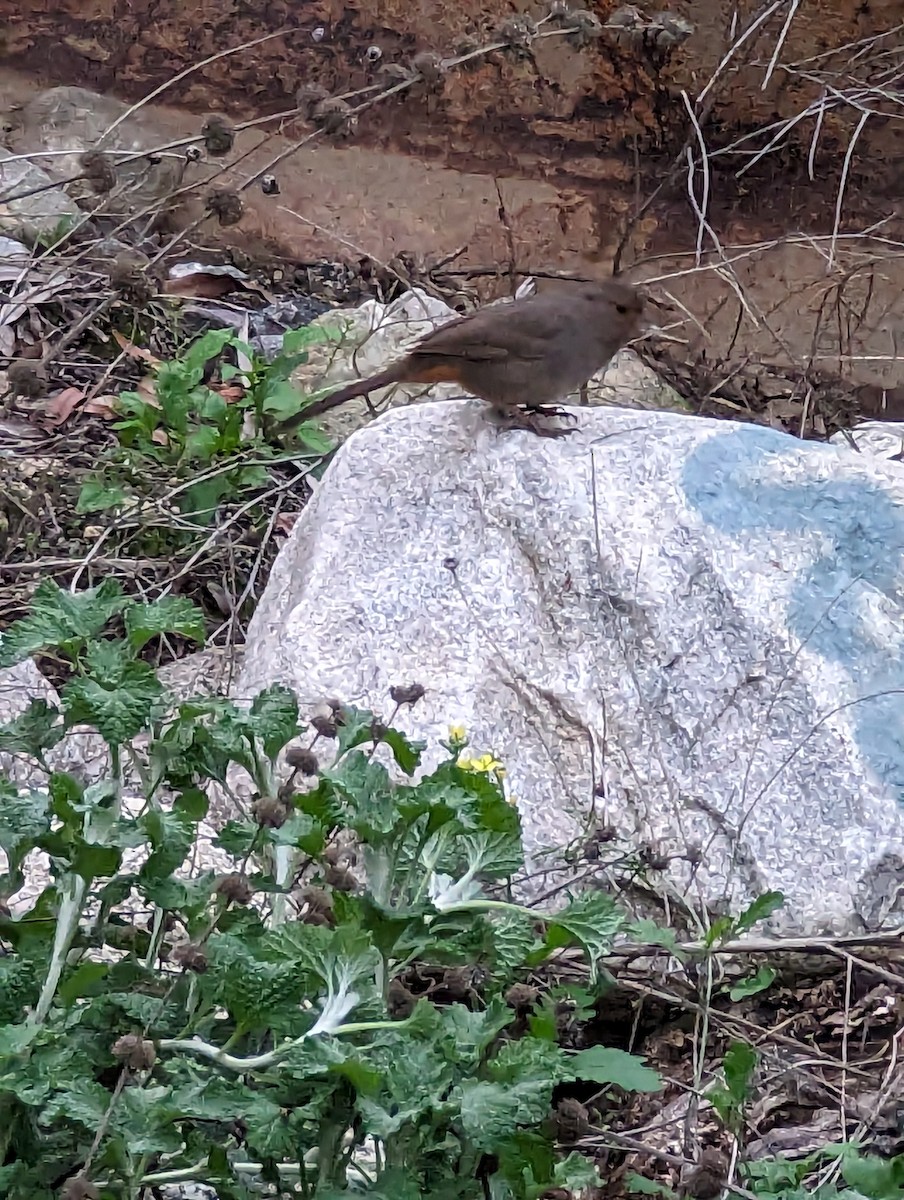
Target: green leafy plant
{"x":187,"y":430}
{"x":352,"y":1006}
{"x":817,"y":1175}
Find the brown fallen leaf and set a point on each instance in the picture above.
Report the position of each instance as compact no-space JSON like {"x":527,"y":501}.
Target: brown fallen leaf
{"x":285,"y":522}
{"x":231,"y":392}
{"x":134,"y":351}
{"x":201,"y":286}
{"x":102,"y":406}
{"x":61,"y":406}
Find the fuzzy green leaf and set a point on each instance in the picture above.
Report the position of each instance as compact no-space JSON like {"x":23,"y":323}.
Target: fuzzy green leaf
{"x":60,"y":619}
{"x":171,"y":614}
{"x":604,"y":1064}
{"x":33,"y":731}
{"x":117,"y":696}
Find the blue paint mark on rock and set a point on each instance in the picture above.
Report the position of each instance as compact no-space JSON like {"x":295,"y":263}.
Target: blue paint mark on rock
{"x":848,"y":605}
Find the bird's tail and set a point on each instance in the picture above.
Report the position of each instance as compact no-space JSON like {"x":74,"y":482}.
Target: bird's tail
{"x":361,"y":388}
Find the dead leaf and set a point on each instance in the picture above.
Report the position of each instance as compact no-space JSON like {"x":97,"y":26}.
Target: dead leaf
{"x":230,"y":392}
{"x":160,"y":437}
{"x":102,"y":406}
{"x":61,"y":406}
{"x":134,"y":351}
{"x":202,"y":286}
{"x":147,"y":390}
{"x":285,"y":522}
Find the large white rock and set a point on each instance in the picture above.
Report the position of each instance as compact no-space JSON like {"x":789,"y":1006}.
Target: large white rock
{"x":690,"y":629}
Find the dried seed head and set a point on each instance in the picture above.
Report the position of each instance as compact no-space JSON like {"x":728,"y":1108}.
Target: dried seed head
{"x":78,"y":1188}
{"x":667,"y":30}
{"x":334,"y":116}
{"x":558,"y":8}
{"x":318,"y":906}
{"x":136,"y":1052}
{"x":572,"y":1120}
{"x":626,"y":17}
{"x":99,"y":171}
{"x":308,"y":96}
{"x":708,"y":1179}
{"x":429,"y":65}
{"x":373,"y":54}
{"x":325,"y":726}
{"x":193,"y":153}
{"x":269,"y":185}
{"x":235,"y":888}
{"x":340,"y":878}
{"x":518,"y":31}
{"x":25,"y":379}
{"x":191,"y":957}
{"x":129,"y":278}
{"x":400,"y":1002}
{"x":301,"y":759}
{"x":522,"y":997}
{"x":219,"y":136}
{"x":396,"y":72}
{"x":407,"y":693}
{"x":270,"y":812}
{"x":459,"y":982}
{"x":226,"y":205}
{"x":586,"y":26}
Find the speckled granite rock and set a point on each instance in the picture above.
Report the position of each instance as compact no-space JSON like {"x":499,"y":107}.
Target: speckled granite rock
{"x":690,"y":629}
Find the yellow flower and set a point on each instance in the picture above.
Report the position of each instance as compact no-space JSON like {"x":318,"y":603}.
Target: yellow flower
{"x":513,"y":800}
{"x":485,"y":764}
{"x":457,"y":733}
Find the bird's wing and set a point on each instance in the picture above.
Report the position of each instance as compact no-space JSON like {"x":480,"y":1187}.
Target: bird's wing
{"x":491,"y":334}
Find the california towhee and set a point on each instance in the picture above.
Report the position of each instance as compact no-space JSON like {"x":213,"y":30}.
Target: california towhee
{"x":519,"y":357}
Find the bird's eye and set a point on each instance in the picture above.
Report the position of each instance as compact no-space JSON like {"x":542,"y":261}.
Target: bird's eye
{"x":621,"y":308}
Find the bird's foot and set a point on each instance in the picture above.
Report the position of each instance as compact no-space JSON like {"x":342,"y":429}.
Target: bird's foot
{"x":535,"y":420}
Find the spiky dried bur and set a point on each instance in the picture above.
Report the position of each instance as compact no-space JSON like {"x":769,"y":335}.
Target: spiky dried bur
{"x":518,"y":31}
{"x":137,"y":1053}
{"x":218,"y":134}
{"x":334,"y":116}
{"x":98,"y":170}
{"x":299,"y":758}
{"x":130,"y":280}
{"x":191,"y":957}
{"x":585,"y":27}
{"x":25,"y":379}
{"x":308,"y":96}
{"x":396,"y":73}
{"x":226,"y":205}
{"x":235,"y":888}
{"x":271,"y":812}
{"x":572,"y":1120}
{"x":430,"y":66}
{"x":667,"y":30}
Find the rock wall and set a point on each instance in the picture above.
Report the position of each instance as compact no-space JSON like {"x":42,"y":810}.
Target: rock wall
{"x":606,"y":118}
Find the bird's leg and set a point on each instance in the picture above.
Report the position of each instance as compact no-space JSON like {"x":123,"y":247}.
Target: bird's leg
{"x":531,"y":419}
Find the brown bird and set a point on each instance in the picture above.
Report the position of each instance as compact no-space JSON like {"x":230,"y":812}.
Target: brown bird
{"x":519,"y":357}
